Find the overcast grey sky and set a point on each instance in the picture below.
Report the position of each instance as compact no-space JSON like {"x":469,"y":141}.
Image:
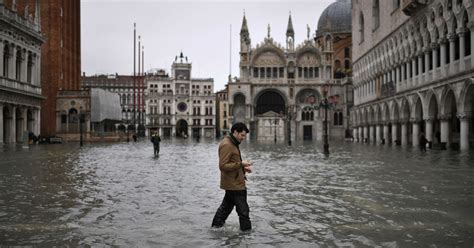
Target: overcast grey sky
{"x":201,"y":29}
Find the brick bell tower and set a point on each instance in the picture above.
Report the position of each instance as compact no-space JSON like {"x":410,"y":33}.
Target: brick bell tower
{"x":60,"y":57}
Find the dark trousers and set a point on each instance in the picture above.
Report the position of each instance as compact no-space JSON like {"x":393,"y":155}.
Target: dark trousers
{"x":237,"y":198}
{"x":156,"y":148}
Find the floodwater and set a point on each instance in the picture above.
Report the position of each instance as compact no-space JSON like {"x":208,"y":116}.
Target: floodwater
{"x":120,"y":194}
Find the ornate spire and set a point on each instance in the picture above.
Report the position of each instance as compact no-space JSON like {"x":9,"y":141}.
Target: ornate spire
{"x":290,"y":32}
{"x":269,"y":29}
{"x":244,"y":30}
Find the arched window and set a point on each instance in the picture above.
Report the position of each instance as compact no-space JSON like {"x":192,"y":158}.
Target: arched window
{"x":336,"y":119}
{"x":376,"y":14}
{"x":361,"y":27}
{"x":341,"y":120}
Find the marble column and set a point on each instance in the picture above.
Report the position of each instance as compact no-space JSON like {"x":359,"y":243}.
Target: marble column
{"x":416,"y":134}
{"x":361,"y":134}
{"x":464,"y":135}
{"x":354,"y":134}
{"x":385,"y":133}
{"x":404,"y":134}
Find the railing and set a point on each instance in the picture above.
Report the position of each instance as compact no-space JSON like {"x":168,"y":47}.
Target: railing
{"x":17,"y":85}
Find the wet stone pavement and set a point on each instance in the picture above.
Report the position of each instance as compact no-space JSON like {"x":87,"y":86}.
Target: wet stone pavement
{"x":121,"y":195}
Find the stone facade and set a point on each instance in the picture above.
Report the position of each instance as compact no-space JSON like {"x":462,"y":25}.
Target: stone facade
{"x":180,"y":105}
{"x":280,"y":88}
{"x":222,"y":118}
{"x":20,"y":87}
{"x":413,"y":70}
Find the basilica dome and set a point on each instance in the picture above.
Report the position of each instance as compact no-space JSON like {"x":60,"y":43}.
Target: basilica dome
{"x":336,"y":18}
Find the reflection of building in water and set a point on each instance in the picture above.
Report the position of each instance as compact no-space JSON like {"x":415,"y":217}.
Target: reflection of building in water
{"x":180,"y":105}
{"x":413,"y":70}
{"x":20,"y":84}
{"x":279,"y":87}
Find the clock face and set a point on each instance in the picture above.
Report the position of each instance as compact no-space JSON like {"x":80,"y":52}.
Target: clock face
{"x":182,"y":106}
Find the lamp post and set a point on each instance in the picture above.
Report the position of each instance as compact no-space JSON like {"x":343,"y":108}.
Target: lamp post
{"x":275,"y":130}
{"x":81,"y":119}
{"x":325,"y":104}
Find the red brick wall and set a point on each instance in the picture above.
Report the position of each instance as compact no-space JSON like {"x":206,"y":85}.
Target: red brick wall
{"x":57,"y":60}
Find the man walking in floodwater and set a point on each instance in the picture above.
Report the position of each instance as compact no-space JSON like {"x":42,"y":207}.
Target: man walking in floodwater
{"x":233,"y":171}
{"x":155,"y":139}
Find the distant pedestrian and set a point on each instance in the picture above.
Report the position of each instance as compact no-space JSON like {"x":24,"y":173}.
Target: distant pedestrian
{"x":233,"y":171}
{"x":134,"y":137}
{"x":155,"y":139}
{"x":423,"y":142}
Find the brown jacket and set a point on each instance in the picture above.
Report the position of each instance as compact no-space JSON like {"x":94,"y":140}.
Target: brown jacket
{"x":230,"y":165}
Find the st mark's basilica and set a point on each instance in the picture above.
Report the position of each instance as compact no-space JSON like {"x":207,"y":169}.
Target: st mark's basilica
{"x":281,"y":89}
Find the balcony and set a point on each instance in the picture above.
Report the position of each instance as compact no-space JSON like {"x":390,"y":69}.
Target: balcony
{"x":410,"y":7}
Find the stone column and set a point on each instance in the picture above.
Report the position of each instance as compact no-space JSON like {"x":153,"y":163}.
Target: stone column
{"x":435,"y":56}
{"x":444,"y":132}
{"x":452,"y":39}
{"x":361,"y":134}
{"x":427,"y":65}
{"x":378,"y":137}
{"x":1,"y":115}
{"x":409,"y":71}
{"x":366,"y":134}
{"x":404,"y":134}
{"x":371,"y":134}
{"x":37,"y":73}
{"x":12,"y":138}
{"x":471,"y":27}
{"x":462,"y":47}
{"x":385,"y":133}
{"x":12,"y":63}
{"x":354,"y":134}
{"x":24,"y":123}
{"x":420,"y":67}
{"x":397,"y":75}
{"x":394,"y":133}
{"x":416,"y":134}
{"x":443,"y":56}
{"x":429,"y":131}
{"x":464,"y":135}
{"x":37,"y":122}
{"x":2,"y":49}
{"x":413,"y":70}
{"x":23,"y":67}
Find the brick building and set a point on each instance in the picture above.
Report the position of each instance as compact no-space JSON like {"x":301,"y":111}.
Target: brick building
{"x":61,"y":60}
